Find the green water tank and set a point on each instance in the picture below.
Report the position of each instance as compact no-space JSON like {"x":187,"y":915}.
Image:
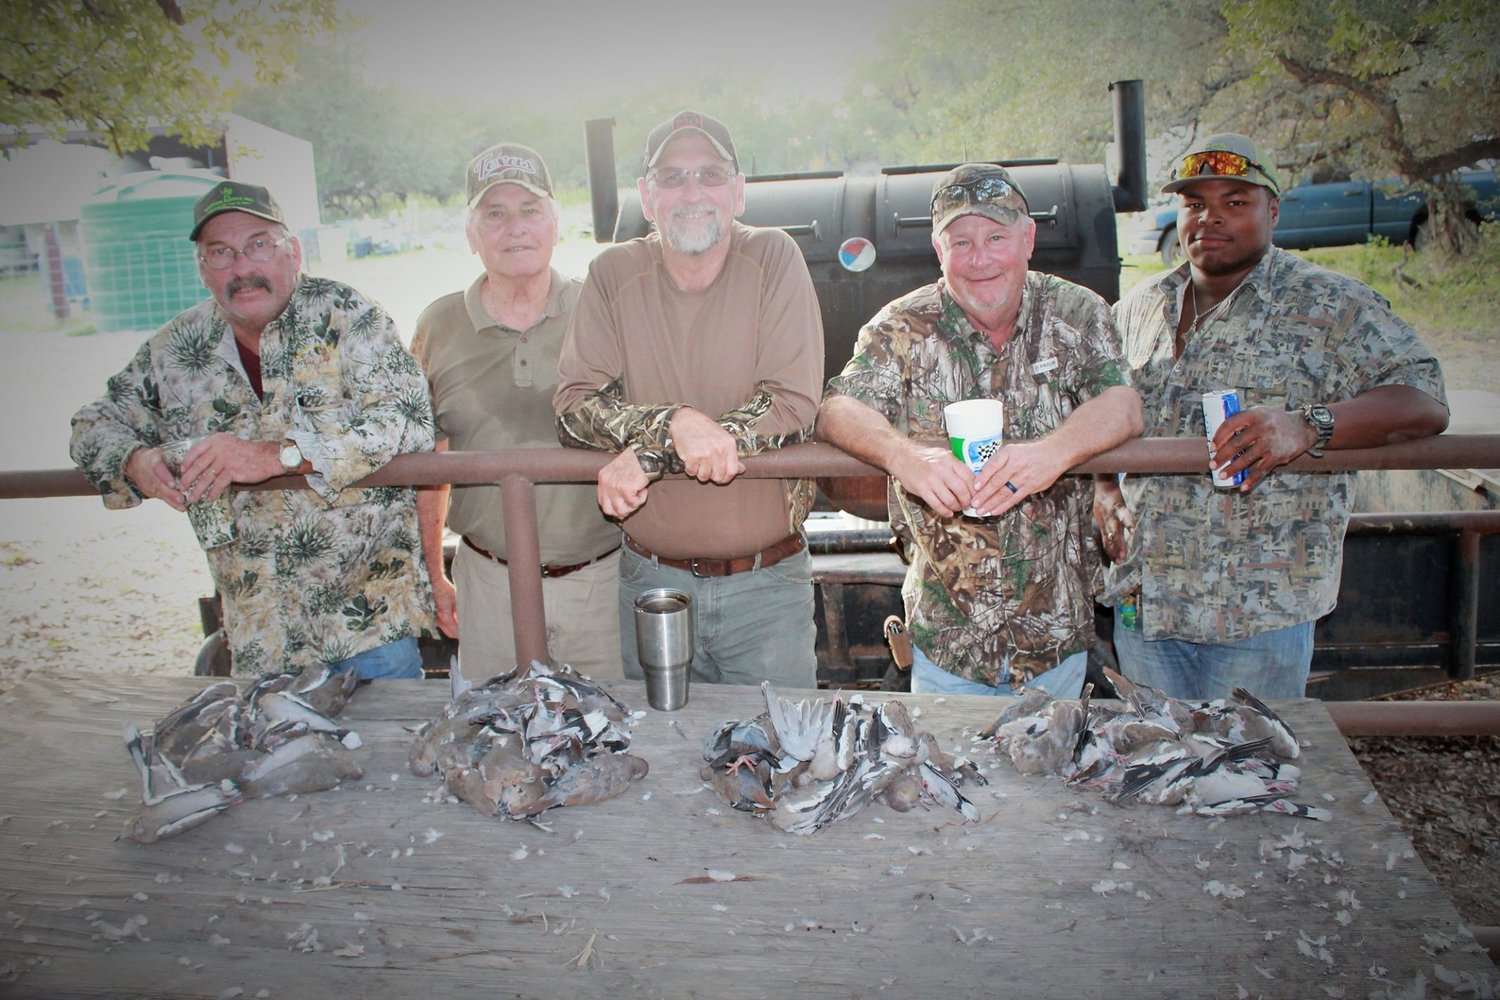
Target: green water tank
{"x":140,"y":266}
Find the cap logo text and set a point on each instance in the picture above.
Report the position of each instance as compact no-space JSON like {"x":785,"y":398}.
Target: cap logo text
{"x":500,"y":162}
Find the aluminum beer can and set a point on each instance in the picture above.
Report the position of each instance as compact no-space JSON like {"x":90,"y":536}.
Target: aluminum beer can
{"x":1217,"y":406}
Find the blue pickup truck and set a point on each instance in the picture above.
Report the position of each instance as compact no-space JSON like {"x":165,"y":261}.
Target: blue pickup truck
{"x":1338,"y":214}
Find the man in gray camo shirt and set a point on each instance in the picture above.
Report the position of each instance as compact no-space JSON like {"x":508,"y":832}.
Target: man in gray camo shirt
{"x":1227,"y":583}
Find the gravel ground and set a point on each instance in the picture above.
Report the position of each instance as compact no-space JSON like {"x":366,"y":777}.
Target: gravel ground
{"x":1446,"y":793}
{"x":85,"y":587}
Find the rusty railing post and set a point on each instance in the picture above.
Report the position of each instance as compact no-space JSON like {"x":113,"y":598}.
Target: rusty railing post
{"x":524,"y":565}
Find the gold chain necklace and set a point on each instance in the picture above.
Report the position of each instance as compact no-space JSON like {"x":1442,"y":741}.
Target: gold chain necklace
{"x":1198,"y":318}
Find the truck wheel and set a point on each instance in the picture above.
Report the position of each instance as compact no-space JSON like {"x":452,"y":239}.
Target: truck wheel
{"x":1171,"y":248}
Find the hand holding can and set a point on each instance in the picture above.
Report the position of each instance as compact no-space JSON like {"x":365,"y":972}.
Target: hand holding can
{"x":1217,"y":406}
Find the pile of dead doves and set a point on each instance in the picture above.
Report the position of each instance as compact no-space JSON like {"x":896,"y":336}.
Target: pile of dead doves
{"x":220,"y":747}
{"x":1214,"y":758}
{"x":803,"y":766}
{"x":530,"y":740}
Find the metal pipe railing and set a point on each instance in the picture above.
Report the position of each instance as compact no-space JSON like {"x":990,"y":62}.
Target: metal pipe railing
{"x":1415,"y":718}
{"x":518,"y":471}
{"x":566,"y":465}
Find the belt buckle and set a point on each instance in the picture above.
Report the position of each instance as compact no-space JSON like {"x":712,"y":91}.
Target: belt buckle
{"x":693,"y":565}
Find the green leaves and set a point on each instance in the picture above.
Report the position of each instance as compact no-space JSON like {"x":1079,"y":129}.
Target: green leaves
{"x":119,"y":66}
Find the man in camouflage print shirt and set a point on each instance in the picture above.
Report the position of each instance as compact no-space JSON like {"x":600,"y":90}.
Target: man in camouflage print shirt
{"x":1228,"y":582}
{"x":279,"y":373}
{"x":1007,"y":598}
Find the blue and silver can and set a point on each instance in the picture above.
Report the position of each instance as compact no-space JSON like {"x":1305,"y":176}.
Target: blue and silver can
{"x":1217,"y":406}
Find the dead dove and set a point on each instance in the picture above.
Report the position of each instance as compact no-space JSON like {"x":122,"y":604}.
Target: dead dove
{"x":799,"y":726}
{"x":312,"y":762}
{"x":594,"y":780}
{"x":170,"y":813}
{"x":181,"y":729}
{"x":325,"y":690}
{"x":1046,"y":742}
{"x":1244,"y":717}
{"x":283,"y":706}
{"x":1029,"y":702}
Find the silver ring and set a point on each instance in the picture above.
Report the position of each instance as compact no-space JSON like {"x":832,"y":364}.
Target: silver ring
{"x":1011,"y":486}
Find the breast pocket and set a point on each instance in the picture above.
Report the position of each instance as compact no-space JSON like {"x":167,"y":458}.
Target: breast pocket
{"x":315,"y":405}
{"x":1259,"y":384}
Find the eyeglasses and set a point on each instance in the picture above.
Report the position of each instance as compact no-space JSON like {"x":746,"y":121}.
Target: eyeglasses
{"x":260,"y":250}
{"x":1219,"y":163}
{"x":984,"y":191}
{"x":710,"y":176}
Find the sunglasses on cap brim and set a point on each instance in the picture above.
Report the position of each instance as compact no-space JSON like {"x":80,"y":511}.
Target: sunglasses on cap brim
{"x":983,"y":191}
{"x":1217,"y":163}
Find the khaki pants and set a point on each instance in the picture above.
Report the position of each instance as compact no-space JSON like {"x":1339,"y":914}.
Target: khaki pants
{"x":583,"y":618}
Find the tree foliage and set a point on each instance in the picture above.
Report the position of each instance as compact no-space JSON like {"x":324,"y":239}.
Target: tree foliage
{"x":1395,"y":88}
{"x":116,"y":66}
{"x":1381,"y":88}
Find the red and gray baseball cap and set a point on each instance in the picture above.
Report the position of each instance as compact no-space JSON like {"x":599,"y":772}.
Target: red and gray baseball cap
{"x":508,"y":163}
{"x":235,"y":196}
{"x":1227,"y":156}
{"x":985,"y":189}
{"x":711,"y":129}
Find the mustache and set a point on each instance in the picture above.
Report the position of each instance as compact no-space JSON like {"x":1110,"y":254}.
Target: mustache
{"x":240,"y":284}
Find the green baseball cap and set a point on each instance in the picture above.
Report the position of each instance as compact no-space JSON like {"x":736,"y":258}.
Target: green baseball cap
{"x":235,"y":196}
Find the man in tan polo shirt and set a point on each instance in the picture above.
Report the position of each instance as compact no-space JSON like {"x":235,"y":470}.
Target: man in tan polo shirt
{"x":490,"y":354}
{"x":690,"y":348}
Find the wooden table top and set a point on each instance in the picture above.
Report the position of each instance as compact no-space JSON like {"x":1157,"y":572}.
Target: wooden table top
{"x":666,"y":891}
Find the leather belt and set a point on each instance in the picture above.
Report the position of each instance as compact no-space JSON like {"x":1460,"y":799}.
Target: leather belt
{"x":550,"y":572}
{"x":768,"y":556}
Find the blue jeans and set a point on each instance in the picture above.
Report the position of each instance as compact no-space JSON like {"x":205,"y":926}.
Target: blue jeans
{"x":1273,"y":664}
{"x":749,"y":627}
{"x":399,"y":660}
{"x":1063,"y":681}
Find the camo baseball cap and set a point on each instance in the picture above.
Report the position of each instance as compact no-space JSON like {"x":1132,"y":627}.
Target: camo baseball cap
{"x":508,"y":163}
{"x":977,"y":189}
{"x":1227,"y":156}
{"x":235,"y":196}
{"x":715,"y":131}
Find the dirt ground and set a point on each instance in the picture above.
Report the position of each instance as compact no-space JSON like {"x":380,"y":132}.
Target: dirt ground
{"x":1443,"y":791}
{"x":82,"y":586}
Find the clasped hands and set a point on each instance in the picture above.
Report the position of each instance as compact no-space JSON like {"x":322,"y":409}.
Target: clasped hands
{"x":207,"y":470}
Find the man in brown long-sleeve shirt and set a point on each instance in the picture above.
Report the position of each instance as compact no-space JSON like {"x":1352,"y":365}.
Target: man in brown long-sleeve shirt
{"x":690,"y":348}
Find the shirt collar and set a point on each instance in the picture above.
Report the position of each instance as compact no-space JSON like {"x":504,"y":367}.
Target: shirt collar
{"x":954,"y":322}
{"x":482,"y":321}
{"x":1258,"y":280}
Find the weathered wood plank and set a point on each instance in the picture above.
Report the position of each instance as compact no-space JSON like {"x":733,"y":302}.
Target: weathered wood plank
{"x":1054,"y":892}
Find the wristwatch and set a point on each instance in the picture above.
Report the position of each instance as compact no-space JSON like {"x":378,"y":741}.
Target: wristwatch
{"x":1321,"y":419}
{"x":291,"y":457}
